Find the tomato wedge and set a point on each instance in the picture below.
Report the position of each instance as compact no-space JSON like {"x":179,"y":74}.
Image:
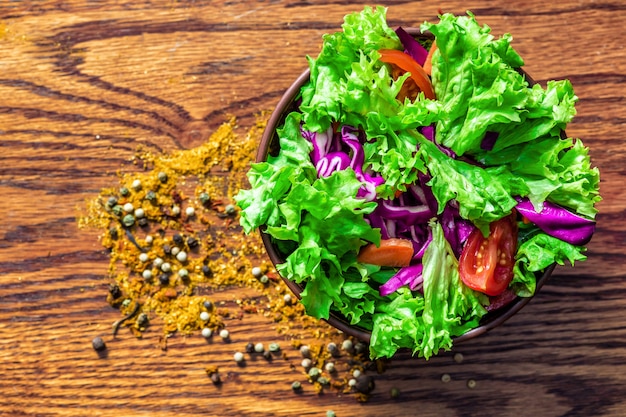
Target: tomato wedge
{"x":393,"y":252}
{"x":428,"y":64}
{"x":486,"y":264}
{"x":407,"y":64}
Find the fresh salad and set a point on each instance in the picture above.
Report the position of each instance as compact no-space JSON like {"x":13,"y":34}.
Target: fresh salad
{"x":422,"y":182}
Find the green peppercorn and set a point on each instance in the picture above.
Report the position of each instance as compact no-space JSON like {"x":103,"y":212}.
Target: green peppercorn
{"x":111,"y":202}
{"x":274,"y":347}
{"x":394,"y":392}
{"x":143,"y":320}
{"x":162,"y":176}
{"x":267,"y":355}
{"x":314,"y":373}
{"x":151,"y":196}
{"x":296,"y":386}
{"x":330,"y":413}
{"x":113,"y":233}
{"x":128,"y":220}
{"x":124,"y":192}
{"x":204,"y":198}
{"x":264,"y":279}
{"x":117,"y":210}
{"x":229,"y":209}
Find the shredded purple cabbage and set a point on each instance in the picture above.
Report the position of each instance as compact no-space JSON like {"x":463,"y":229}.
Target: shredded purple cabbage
{"x":409,"y":275}
{"x":337,"y":151}
{"x":489,"y":141}
{"x":558,"y":222}
{"x":412,"y":47}
{"x":331,"y":162}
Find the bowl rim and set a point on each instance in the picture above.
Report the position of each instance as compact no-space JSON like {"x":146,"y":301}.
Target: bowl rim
{"x":488,"y":322}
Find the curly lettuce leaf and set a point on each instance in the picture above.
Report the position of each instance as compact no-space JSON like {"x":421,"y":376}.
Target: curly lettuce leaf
{"x":476,"y":78}
{"x":428,"y":324}
{"x":536,"y":253}
{"x":554,"y":169}
{"x":326,"y":220}
{"x":483,"y":194}
{"x":349,"y":85}
{"x":450,"y":307}
{"x":272,"y":179}
{"x":363,"y":33}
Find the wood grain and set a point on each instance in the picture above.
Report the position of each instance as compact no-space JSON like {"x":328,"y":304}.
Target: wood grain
{"x":83,"y":83}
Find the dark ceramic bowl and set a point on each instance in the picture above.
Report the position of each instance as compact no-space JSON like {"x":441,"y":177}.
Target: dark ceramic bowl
{"x":269,"y":145}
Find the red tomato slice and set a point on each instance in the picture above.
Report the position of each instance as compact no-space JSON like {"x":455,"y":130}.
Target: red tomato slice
{"x":486,"y":264}
{"x":408,"y":64}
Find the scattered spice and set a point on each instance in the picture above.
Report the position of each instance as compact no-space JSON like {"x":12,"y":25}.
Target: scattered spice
{"x":173,"y":237}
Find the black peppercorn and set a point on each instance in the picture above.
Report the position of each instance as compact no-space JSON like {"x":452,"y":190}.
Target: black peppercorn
{"x":250,"y":348}
{"x":215,"y":378}
{"x":115,"y":291}
{"x":206,"y":270}
{"x":178,"y":239}
{"x":113,"y":233}
{"x":167,"y":249}
{"x":364,"y":384}
{"x":143,"y":222}
{"x":192,"y":242}
{"x":98,"y":344}
{"x":164,"y":279}
{"x":267,"y":355}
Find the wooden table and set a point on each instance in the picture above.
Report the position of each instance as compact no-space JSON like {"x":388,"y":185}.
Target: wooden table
{"x":84,"y":83}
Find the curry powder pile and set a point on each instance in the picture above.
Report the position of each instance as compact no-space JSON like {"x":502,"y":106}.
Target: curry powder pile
{"x":174,"y":240}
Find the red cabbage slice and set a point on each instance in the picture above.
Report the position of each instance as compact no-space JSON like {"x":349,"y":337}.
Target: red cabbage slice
{"x":370,"y":182}
{"x":331,"y":162}
{"x":409,"y":275}
{"x":489,"y":141}
{"x":558,"y":222}
{"x":412,"y":47}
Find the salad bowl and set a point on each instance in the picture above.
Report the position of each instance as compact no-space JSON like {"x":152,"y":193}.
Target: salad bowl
{"x":269,"y":145}
{"x":415,"y":187}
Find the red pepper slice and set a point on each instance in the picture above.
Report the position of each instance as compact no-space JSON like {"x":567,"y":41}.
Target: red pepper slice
{"x":407,"y":64}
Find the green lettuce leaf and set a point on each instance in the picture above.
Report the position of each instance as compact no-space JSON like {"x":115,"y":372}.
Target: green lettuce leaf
{"x":554,"y":169}
{"x":483,"y":194}
{"x":450,"y":307}
{"x":476,"y":79}
{"x":535,"y":254}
